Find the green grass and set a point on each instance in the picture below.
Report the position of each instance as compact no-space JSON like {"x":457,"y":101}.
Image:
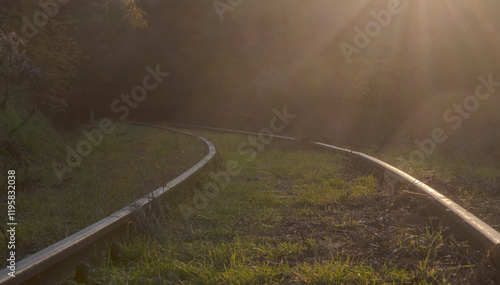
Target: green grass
{"x":130,"y":162}
{"x":291,"y":216}
{"x":438,"y":164}
{"x":470,"y":183}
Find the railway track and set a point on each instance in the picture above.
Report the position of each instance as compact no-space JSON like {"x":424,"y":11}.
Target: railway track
{"x":59,"y":260}
{"x":464,"y":224}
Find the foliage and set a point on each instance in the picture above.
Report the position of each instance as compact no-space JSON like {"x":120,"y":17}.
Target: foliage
{"x":265,"y":55}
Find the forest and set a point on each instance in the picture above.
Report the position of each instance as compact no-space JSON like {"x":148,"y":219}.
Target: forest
{"x":415,"y":83}
{"x":230,"y":64}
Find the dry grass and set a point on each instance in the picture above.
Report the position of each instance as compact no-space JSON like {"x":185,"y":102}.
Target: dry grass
{"x":131,"y":162}
{"x":296,"y":216}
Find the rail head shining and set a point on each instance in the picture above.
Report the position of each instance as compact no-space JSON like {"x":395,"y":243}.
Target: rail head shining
{"x":478,"y":228}
{"x":482,"y":231}
{"x":31,"y":266}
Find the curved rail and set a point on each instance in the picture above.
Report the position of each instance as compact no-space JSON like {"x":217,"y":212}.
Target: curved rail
{"x":53,"y":258}
{"x":58,"y":260}
{"x":488,"y":238}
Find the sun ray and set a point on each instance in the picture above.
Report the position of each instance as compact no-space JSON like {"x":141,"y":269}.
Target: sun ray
{"x":332,"y":28}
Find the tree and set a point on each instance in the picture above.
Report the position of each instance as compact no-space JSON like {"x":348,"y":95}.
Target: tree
{"x":17,"y":73}
{"x":43,"y":36}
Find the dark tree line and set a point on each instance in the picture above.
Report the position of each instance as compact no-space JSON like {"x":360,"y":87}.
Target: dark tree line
{"x":264,"y":55}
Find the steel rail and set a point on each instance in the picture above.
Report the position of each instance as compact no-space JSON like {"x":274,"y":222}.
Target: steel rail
{"x":55,"y":262}
{"x":33,"y":267}
{"x":487,"y":236}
